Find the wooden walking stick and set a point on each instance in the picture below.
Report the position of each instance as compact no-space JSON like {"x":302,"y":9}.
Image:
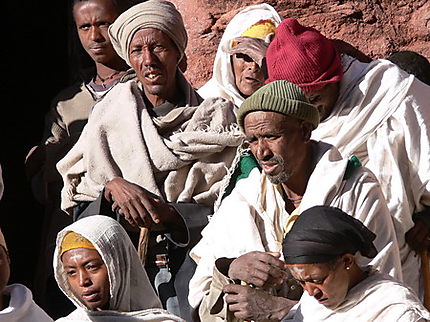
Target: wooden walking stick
{"x":425,"y":269}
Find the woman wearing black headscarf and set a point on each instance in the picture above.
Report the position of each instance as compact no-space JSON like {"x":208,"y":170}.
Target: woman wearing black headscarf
{"x":320,"y":250}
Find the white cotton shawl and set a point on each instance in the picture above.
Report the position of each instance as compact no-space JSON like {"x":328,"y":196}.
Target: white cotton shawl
{"x":149,"y":315}
{"x":181,"y":156}
{"x":378,"y":298}
{"x":382,"y":116}
{"x":222,"y":83}
{"x":22,"y":307}
{"x":130,"y":289}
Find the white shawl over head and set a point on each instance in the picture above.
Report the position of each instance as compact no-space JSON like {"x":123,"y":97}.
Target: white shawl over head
{"x":130,"y":289}
{"x":222,"y":83}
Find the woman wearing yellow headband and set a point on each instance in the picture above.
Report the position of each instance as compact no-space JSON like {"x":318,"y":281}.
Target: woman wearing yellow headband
{"x":98,"y":269}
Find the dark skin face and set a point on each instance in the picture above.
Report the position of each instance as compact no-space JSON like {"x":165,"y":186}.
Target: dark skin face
{"x":155,"y":57}
{"x":247,"y":74}
{"x":328,"y":284}
{"x":324,"y":99}
{"x":88,"y":277}
{"x":92,"y":19}
{"x":281,"y":145}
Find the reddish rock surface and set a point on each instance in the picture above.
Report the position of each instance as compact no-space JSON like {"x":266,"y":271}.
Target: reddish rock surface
{"x":375,"y":28}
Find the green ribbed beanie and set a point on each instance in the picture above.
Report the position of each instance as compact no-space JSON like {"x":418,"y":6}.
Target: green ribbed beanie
{"x":282,"y":97}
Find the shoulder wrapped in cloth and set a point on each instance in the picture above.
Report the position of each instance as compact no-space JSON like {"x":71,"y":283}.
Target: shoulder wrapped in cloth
{"x":130,"y":288}
{"x":158,"y":14}
{"x":181,"y":156}
{"x":322,"y":233}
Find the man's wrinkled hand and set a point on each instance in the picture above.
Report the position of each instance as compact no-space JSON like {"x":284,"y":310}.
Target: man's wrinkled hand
{"x":138,"y":206}
{"x":255,"y":304}
{"x":255,"y":48}
{"x":260,"y":269}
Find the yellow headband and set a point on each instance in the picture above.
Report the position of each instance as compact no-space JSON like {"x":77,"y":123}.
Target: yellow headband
{"x":73,"y":240}
{"x":260,"y":29}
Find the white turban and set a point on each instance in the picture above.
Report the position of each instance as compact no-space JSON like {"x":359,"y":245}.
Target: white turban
{"x":157,"y":14}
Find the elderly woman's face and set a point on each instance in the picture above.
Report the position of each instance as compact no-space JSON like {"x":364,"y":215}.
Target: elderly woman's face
{"x":248,"y":76}
{"x":88,"y":277}
{"x":155,"y":58}
{"x":328,"y":284}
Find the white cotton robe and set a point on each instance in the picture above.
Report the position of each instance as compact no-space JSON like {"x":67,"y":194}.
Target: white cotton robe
{"x":222,"y":83}
{"x":253,"y":217}
{"x":382,"y":116}
{"x":130,"y":289}
{"x":22,"y":307}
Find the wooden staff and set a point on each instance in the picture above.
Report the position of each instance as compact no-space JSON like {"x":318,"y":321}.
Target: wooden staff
{"x":425,"y":268}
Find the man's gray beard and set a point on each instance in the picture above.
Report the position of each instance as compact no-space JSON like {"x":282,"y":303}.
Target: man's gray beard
{"x":281,"y":177}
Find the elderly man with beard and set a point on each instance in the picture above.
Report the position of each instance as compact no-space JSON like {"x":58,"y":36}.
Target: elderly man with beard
{"x":241,"y":246}
{"x":153,"y":152}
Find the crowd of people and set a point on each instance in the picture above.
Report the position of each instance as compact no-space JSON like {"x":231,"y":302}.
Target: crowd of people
{"x":293,"y":186}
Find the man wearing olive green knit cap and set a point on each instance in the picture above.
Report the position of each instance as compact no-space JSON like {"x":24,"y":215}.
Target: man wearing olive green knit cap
{"x":243,"y":240}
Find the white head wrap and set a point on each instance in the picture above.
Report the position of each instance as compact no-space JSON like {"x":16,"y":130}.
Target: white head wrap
{"x":130,"y":289}
{"x":157,"y":14}
{"x":222,"y":82}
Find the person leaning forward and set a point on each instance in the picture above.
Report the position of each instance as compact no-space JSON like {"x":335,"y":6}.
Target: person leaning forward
{"x":153,"y":151}
{"x":297,"y":173}
{"x":320,"y":252}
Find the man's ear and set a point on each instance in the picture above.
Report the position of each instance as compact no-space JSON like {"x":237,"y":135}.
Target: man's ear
{"x":306,"y":128}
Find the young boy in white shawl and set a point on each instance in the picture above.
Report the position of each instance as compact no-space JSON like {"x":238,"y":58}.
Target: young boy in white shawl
{"x":98,"y":269}
{"x":375,"y":111}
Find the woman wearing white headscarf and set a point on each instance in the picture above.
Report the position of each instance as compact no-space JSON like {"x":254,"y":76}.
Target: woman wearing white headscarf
{"x":222,"y":83}
{"x":129,"y":286}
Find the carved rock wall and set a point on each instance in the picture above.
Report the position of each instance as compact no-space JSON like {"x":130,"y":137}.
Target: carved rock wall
{"x":375,"y":28}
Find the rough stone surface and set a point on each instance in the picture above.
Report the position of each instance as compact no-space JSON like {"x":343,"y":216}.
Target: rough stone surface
{"x":374,"y":28}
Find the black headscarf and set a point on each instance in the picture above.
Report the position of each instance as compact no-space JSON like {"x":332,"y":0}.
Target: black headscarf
{"x":322,"y":233}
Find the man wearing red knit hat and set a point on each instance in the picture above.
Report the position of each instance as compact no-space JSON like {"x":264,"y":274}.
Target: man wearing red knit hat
{"x":375,"y":111}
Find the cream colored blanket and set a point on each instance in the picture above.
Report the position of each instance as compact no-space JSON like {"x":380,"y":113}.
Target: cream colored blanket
{"x":182,"y":156}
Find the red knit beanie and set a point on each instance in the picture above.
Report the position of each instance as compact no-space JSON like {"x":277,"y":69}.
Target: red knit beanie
{"x":303,"y":56}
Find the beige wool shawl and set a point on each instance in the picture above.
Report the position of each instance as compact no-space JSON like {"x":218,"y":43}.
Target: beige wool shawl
{"x":182,"y":156}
